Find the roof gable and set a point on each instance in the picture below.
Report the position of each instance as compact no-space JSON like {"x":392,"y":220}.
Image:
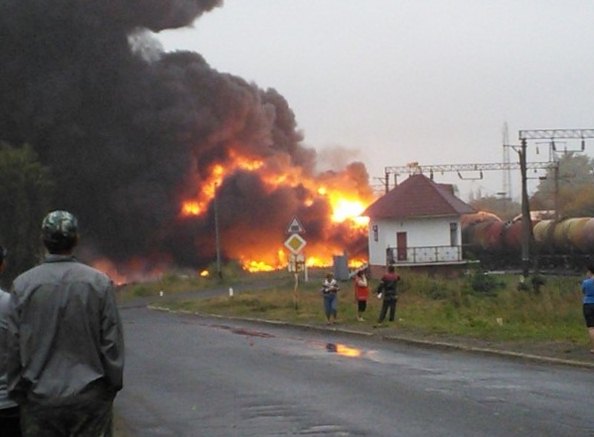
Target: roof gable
{"x":418,"y":196}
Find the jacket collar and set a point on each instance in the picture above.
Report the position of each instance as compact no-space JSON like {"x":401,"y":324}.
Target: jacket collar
{"x":53,"y":258}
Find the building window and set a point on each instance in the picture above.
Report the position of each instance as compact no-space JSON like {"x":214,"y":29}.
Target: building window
{"x":375,"y":233}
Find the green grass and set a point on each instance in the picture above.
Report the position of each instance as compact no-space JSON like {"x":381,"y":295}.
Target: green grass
{"x":169,"y":284}
{"x":173,"y":283}
{"x":504,"y":313}
{"x":476,"y":306}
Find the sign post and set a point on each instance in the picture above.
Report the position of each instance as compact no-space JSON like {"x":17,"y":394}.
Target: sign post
{"x":295,"y":243}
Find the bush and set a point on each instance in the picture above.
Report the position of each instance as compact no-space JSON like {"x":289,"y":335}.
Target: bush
{"x":483,"y":283}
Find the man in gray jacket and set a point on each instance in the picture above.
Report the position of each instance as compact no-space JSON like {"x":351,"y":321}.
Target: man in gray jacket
{"x":9,"y":411}
{"x":66,"y":350}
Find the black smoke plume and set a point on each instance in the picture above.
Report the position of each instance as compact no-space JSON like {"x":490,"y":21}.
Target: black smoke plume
{"x":129,"y":131}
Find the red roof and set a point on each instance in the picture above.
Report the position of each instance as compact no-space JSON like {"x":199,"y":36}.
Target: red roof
{"x":418,"y":196}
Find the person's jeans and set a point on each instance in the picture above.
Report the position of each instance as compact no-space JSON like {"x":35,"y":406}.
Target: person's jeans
{"x":330,"y":304}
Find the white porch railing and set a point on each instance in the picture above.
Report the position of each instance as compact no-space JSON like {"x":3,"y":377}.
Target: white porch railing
{"x":424,"y":255}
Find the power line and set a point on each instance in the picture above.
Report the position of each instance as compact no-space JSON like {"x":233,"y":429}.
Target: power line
{"x":416,"y":168}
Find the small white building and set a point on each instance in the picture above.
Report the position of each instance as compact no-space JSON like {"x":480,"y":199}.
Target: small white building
{"x":416,"y":224}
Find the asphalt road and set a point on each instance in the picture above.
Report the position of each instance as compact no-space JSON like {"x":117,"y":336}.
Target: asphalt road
{"x":193,"y":376}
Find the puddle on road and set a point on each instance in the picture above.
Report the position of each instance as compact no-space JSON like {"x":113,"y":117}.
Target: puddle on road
{"x":335,"y":348}
{"x":300,"y":347}
{"x":343,"y":350}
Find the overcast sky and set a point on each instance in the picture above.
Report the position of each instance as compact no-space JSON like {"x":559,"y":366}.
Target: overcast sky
{"x":393,"y":81}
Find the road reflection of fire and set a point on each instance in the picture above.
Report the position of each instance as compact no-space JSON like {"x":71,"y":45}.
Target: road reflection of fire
{"x":343,"y":350}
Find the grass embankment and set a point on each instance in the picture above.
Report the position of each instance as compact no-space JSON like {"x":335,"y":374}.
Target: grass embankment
{"x":477,"y":306}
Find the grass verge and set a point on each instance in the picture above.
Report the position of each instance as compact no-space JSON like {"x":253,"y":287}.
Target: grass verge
{"x":482,"y":308}
{"x":501,"y":312}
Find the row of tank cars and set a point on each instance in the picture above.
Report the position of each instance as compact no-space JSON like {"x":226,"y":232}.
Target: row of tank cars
{"x":566,"y":244}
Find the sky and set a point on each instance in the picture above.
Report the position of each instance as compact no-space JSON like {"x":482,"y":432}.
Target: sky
{"x":389,"y":82}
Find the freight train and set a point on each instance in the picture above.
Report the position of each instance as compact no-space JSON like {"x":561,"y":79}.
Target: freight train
{"x":566,"y":244}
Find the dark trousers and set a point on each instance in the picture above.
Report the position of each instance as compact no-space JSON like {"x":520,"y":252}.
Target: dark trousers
{"x":10,"y":422}
{"x":86,"y":419}
{"x":388,"y":304}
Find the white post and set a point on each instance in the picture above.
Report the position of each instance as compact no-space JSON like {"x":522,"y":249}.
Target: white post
{"x":305,"y":276}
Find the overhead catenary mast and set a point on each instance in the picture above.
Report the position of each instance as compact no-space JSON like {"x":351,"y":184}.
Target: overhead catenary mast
{"x":506,"y":186}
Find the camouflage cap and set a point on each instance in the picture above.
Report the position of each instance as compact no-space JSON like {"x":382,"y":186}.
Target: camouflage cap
{"x":59,"y":225}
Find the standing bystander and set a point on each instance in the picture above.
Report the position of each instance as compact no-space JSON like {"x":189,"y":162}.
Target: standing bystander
{"x":9,"y":410}
{"x":66,"y":350}
{"x":329,"y":291}
{"x":588,"y":303}
{"x":361,"y":293}
{"x":387,"y":289}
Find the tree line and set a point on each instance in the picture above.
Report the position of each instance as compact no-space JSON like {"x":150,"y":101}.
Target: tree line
{"x":570,"y":190}
{"x":26,"y":192}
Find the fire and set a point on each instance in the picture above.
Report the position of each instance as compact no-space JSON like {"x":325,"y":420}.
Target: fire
{"x":191,"y":207}
{"x":346,"y":209}
{"x":313,"y":261}
{"x":110,"y":269}
{"x":258,"y":266}
{"x":134,"y":270}
{"x":195,"y":207}
{"x":343,"y":195}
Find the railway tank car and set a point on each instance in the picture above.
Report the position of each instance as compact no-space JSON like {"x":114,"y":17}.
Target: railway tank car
{"x":566,"y":243}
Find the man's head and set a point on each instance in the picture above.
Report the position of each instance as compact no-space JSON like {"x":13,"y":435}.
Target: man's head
{"x":391,"y":269}
{"x":59,"y":232}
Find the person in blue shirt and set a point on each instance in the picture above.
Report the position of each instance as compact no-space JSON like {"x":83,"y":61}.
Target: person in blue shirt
{"x":588,"y":303}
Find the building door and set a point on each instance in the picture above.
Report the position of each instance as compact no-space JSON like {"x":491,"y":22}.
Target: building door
{"x":401,"y":246}
{"x":453,"y":234}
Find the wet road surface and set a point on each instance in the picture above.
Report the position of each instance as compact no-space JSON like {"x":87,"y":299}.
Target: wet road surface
{"x":194,"y":376}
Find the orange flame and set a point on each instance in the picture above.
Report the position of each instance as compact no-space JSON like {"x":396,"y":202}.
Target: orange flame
{"x":134,"y":270}
{"x":344,"y":198}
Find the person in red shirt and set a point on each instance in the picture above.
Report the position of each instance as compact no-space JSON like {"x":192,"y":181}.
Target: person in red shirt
{"x":361,"y":293}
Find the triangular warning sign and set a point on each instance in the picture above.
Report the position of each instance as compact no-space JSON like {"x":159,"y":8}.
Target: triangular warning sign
{"x":295,"y":227}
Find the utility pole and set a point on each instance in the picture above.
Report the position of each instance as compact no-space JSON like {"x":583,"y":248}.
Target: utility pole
{"x":506,"y":186}
{"x":526,"y":219}
{"x":217,"y":239}
{"x":539,"y":134}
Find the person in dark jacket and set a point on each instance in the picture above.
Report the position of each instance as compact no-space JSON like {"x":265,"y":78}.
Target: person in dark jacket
{"x":387,"y":289}
{"x":66,"y":349}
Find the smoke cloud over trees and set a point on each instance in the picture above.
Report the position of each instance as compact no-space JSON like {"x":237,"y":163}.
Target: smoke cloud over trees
{"x":129,"y":131}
